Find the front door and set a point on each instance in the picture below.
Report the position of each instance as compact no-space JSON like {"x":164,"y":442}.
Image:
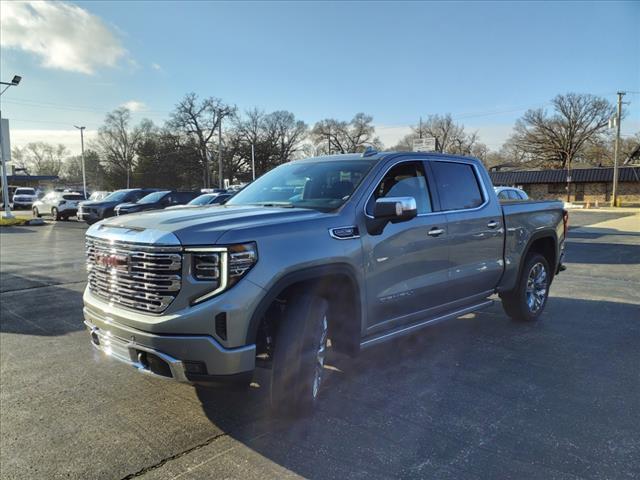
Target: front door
{"x":407,"y":264}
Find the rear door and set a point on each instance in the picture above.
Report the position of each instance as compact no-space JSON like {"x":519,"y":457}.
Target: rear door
{"x":407,"y":264}
{"x":475,"y":230}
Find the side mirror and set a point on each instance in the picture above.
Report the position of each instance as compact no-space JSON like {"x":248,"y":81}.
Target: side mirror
{"x":395,"y":209}
{"x":391,"y":210}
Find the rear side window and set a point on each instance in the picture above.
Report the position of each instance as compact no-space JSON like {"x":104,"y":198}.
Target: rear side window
{"x":457,"y":185}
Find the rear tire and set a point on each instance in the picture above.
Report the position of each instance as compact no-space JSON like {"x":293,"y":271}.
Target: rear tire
{"x":527,"y":301}
{"x":299,"y":354}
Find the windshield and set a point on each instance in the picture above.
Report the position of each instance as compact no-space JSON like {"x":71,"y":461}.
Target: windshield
{"x":322,"y":185}
{"x":202,"y":199}
{"x":72,"y":196}
{"x":154,"y":197}
{"x":117,"y":196}
{"x":25,"y":191}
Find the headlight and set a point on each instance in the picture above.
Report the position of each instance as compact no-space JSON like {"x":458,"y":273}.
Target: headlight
{"x":222,"y":267}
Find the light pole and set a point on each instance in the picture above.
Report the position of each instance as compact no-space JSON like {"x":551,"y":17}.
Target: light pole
{"x":253,"y":161}
{"x":5,"y":186}
{"x":84,"y":176}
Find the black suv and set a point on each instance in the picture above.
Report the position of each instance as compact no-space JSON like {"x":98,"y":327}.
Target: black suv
{"x":91,"y":212}
{"x":156,"y":201}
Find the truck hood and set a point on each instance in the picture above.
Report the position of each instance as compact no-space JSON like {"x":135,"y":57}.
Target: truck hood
{"x":205,"y":225}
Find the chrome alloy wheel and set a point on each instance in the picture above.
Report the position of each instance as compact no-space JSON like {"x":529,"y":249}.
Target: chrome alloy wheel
{"x":320,"y":356}
{"x":537,"y":285}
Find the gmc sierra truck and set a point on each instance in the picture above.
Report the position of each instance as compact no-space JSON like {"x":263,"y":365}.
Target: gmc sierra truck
{"x":357,"y":248}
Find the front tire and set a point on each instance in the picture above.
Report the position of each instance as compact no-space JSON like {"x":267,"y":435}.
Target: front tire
{"x":299,"y":355}
{"x":36,"y":213}
{"x":55,"y":214}
{"x":526,"y":302}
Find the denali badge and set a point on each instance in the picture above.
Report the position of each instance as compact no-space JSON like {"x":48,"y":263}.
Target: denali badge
{"x":112,"y":260}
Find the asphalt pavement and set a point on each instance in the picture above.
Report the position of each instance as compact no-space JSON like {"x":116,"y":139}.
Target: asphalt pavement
{"x":477,"y":397}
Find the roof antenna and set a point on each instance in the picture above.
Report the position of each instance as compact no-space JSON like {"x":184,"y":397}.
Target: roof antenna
{"x":369,"y":152}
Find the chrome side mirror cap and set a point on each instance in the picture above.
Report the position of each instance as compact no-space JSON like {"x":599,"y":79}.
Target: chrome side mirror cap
{"x":391,"y":210}
{"x":395,"y":209}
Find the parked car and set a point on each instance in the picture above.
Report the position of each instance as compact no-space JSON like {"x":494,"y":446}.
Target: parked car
{"x":206,"y":199}
{"x":60,"y":205}
{"x":510,"y":193}
{"x":91,"y":212}
{"x":378,"y":246}
{"x":156,"y":201}
{"x":23,"y":198}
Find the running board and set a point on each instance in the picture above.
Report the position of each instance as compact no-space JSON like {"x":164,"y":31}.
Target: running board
{"x":383,"y":337}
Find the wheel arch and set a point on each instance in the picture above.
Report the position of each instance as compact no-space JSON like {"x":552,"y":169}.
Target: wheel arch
{"x":545,"y":243}
{"x":326,"y":280}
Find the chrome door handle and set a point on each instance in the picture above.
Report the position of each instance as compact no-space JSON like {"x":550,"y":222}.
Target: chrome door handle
{"x":434,"y":232}
{"x":492,"y":224}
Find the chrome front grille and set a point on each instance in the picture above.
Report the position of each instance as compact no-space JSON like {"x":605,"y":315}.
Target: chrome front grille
{"x":140,"y":277}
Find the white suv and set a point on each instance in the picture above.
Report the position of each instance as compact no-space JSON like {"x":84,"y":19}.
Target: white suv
{"x":24,"y":198}
{"x":60,"y":205}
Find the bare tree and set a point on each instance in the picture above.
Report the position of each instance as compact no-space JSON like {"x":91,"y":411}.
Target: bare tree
{"x":117,"y":142}
{"x":450,"y":136}
{"x":276,"y":137}
{"x":40,"y":158}
{"x":199,"y":119}
{"x":558,"y":139}
{"x":335,"y":136}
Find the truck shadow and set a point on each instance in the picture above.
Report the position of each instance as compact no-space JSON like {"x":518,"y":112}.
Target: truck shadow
{"x":425,"y":400}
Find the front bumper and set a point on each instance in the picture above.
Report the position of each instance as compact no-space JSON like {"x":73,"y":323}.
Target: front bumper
{"x":22,"y":204}
{"x":184,"y":358}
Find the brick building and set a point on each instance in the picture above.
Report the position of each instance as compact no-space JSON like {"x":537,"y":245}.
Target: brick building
{"x":588,"y":185}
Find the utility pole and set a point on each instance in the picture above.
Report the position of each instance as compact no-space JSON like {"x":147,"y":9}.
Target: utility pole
{"x":84,"y":175}
{"x":220,"y":182}
{"x":253,"y":161}
{"x":420,"y":130}
{"x":614,"y":193}
{"x":5,"y":181}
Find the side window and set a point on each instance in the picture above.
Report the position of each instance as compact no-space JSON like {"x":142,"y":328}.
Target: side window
{"x":503,"y":195}
{"x":407,"y":179}
{"x":457,"y":185}
{"x":514,"y":195}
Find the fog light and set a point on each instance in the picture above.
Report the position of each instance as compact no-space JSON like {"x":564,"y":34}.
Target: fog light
{"x":195,"y":367}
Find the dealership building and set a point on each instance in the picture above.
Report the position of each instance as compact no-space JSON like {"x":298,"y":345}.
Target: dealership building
{"x":587,"y":185}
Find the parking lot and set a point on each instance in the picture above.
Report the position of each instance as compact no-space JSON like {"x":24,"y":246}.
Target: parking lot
{"x":478,"y":397}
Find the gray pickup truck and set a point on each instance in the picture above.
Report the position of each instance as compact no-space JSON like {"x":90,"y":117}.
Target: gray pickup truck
{"x":358,"y":249}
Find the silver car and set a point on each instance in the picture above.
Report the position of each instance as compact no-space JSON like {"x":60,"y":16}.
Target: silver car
{"x":510,"y":193}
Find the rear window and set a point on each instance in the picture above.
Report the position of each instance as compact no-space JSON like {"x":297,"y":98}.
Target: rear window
{"x":72,"y":196}
{"x":457,"y":185}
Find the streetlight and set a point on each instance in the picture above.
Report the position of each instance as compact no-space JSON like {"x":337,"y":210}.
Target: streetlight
{"x":5,"y":186}
{"x":84,"y":177}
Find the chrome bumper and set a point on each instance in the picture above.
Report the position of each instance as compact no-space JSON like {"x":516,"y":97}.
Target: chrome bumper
{"x":129,"y":352}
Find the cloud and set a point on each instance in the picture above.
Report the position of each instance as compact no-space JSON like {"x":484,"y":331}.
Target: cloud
{"x":134,"y":105}
{"x":64,"y":36}
{"x":156,"y":66}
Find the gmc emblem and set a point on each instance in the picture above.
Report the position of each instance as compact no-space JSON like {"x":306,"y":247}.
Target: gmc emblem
{"x":112,"y":260}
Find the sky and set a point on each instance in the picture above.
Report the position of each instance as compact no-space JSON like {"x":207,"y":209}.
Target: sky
{"x":483,"y":62}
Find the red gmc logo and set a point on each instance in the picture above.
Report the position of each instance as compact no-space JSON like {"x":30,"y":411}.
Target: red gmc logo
{"x":113,"y":261}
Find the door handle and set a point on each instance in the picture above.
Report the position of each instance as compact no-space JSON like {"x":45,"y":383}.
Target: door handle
{"x":492,"y":224}
{"x":434,"y":232}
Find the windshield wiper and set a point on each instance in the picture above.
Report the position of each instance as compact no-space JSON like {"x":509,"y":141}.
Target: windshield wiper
{"x":274,"y":204}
